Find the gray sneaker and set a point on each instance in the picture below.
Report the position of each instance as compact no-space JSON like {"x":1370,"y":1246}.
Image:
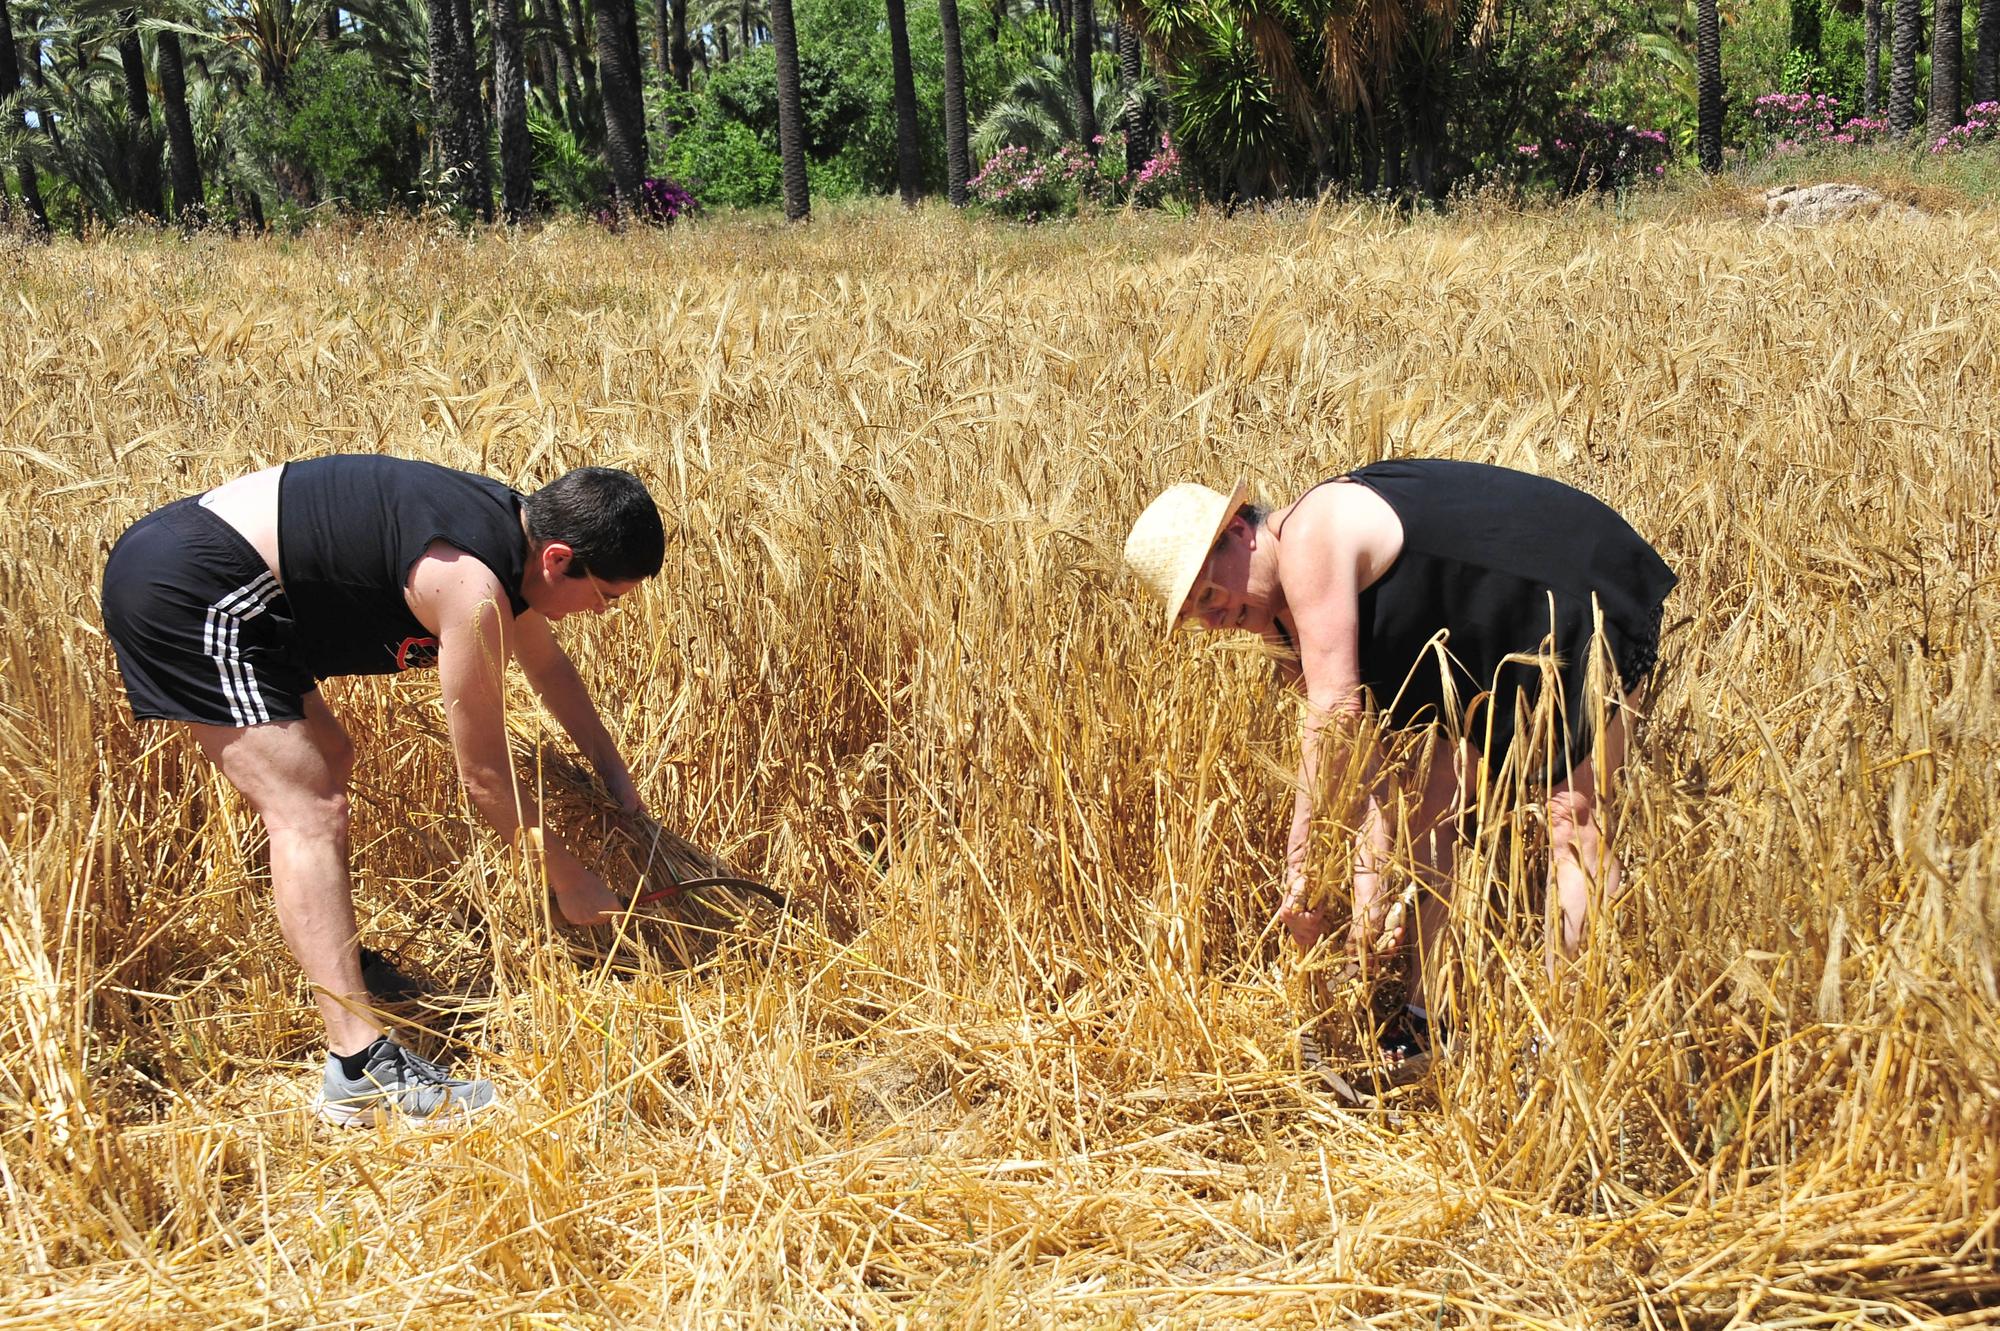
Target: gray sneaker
{"x":398,"y":1081}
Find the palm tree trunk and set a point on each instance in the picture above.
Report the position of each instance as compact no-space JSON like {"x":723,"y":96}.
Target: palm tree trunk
{"x":957,"y":153}
{"x":582,"y":43}
{"x":1986,"y":60}
{"x":1947,"y":48}
{"x":510,"y":112}
{"x":185,"y":169}
{"x":144,"y":180}
{"x":1083,"y":43}
{"x":1908,"y":36}
{"x":448,"y":127}
{"x":1708,"y":86}
{"x":1871,"y":57}
{"x":624,"y":107}
{"x":331,"y":24}
{"x":1392,"y":149}
{"x":560,"y":46}
{"x":680,"y":55}
{"x":471,"y":113}
{"x":10,"y":83}
{"x":791,"y":121}
{"x":1138,"y":124}
{"x":909,"y":162}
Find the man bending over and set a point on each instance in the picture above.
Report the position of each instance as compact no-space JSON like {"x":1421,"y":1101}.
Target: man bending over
{"x":228,"y":608}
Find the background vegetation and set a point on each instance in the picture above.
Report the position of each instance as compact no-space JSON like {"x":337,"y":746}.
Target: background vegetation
{"x":1024,"y":1054}
{"x":261,"y":111}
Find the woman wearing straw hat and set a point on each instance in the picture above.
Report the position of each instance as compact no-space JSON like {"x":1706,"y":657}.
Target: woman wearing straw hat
{"x":1443,"y":600}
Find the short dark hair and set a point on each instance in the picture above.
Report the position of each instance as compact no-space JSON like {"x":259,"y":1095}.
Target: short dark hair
{"x":606,"y":517}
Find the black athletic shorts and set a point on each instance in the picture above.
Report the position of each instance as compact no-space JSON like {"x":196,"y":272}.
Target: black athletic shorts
{"x":202,"y":628}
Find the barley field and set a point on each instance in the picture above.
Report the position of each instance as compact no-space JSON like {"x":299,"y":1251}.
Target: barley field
{"x":1022,"y":1053}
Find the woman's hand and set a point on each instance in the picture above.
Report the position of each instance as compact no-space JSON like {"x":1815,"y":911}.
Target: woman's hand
{"x":1377,"y":934}
{"x":1306,"y":923}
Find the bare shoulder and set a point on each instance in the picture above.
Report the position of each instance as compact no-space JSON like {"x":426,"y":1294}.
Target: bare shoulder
{"x":1344,"y":521}
{"x":447,"y":584}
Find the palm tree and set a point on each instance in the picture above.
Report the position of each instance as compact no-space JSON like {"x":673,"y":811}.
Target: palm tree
{"x":24,"y":166}
{"x":460,"y":138}
{"x":1083,"y":43}
{"x":144,"y":176}
{"x":957,"y":159}
{"x":510,"y":112}
{"x":471,"y":110}
{"x":1947,"y":44}
{"x":166,"y":21}
{"x":1266,"y":90}
{"x":909,"y":162}
{"x":1136,"y":118}
{"x":181,"y":160}
{"x":1909,"y":35}
{"x":624,"y":106}
{"x":791,"y":120}
{"x":1708,"y":86}
{"x":676,"y":56}
{"x":1038,"y":109}
{"x":747,"y":18}
{"x":1986,"y":61}
{"x":1871,"y":56}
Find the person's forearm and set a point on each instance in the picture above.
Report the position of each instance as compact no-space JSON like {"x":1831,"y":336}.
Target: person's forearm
{"x":507,"y":806}
{"x":562,"y":691}
{"x":1328,"y":734}
{"x":510,"y":808}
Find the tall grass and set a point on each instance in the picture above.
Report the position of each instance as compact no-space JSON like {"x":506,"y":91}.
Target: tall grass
{"x":1023,"y":1052}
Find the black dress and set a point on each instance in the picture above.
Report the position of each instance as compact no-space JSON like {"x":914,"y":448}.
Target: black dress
{"x":1496,"y":563}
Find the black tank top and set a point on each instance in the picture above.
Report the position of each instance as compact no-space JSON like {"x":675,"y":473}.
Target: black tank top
{"x":1500,"y":562}
{"x":350,"y":528}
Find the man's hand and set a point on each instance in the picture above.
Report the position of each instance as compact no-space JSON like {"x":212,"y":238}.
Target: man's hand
{"x":581,"y":894}
{"x":623,"y":789}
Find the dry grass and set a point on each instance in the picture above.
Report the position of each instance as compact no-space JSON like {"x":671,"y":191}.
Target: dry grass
{"x":1023,"y":1055}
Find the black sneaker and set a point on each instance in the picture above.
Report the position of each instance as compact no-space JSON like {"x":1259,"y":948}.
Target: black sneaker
{"x":1407,"y":1047}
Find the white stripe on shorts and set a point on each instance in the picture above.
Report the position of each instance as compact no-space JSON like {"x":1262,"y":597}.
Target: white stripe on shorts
{"x":219,"y":642}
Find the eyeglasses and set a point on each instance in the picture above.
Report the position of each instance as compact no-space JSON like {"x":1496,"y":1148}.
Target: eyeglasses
{"x":607,"y":603}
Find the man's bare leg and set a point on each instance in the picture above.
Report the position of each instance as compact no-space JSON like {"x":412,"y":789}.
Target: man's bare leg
{"x":294,"y":773}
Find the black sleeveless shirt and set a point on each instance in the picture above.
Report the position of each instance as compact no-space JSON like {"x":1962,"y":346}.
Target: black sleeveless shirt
{"x":1497,"y":562}
{"x":351,"y":527}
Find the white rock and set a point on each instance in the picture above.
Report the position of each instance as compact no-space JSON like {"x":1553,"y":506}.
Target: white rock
{"x":1813,"y":205}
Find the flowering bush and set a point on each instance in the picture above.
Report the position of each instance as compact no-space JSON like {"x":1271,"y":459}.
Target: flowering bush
{"x":1585,"y":152}
{"x":661,"y":201}
{"x":1163,"y":177}
{"x":1019,"y":184}
{"x":1807,"y":119}
{"x":1982,"y":125}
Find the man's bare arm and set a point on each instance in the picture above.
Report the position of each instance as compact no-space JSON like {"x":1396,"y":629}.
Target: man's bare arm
{"x":562,"y":691}
{"x":459,"y":599}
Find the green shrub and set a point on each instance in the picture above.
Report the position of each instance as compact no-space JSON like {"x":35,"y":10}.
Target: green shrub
{"x":339,"y":125}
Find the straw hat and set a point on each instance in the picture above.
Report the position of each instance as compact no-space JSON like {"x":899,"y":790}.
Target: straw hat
{"x":1172,"y":538}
